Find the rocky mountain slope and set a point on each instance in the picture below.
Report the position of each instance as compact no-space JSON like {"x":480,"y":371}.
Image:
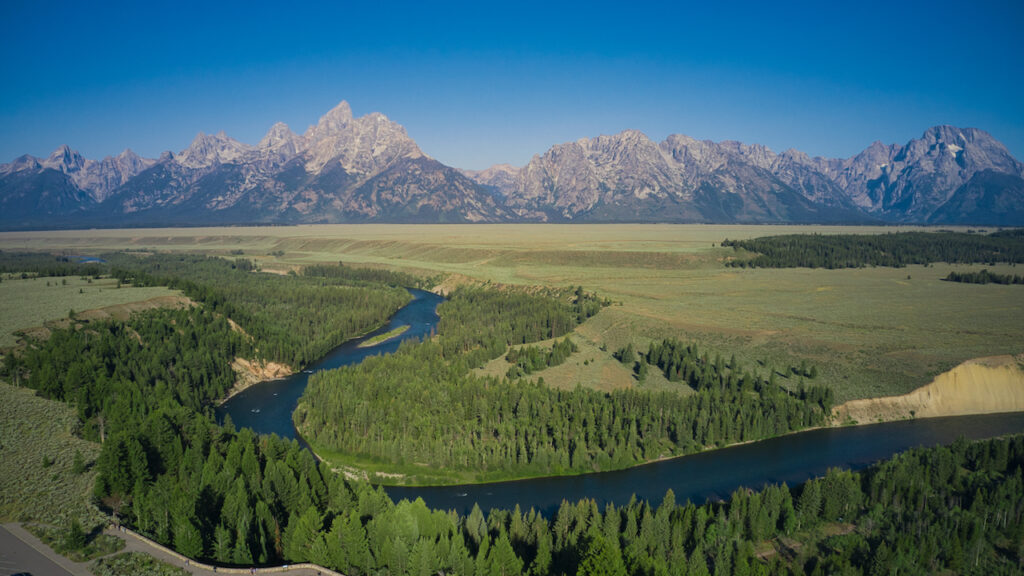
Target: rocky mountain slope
{"x":343,"y":169}
{"x":950,"y":175}
{"x":367,"y":169}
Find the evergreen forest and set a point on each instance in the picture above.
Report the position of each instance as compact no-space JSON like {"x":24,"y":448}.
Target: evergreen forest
{"x":984,"y":277}
{"x":145,"y":386}
{"x":418,"y":405}
{"x":895,"y":250}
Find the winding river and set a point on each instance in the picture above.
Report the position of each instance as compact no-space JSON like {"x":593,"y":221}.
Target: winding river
{"x":267,"y":408}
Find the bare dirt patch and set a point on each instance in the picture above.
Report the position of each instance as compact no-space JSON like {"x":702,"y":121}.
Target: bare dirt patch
{"x":980,"y":386}
{"x":250,"y":372}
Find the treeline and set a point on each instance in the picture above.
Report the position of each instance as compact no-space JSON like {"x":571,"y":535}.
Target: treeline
{"x":683,"y":363}
{"x":294,"y":319}
{"x":894,"y":250}
{"x":416,"y":407}
{"x":117,"y":373}
{"x":479,"y":324}
{"x":984,"y":277}
{"x":530,"y":359}
{"x":235,"y":498}
{"x":367,"y":276}
{"x":43,"y":264}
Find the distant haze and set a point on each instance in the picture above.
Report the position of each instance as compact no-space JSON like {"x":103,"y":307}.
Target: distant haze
{"x":476,"y":87}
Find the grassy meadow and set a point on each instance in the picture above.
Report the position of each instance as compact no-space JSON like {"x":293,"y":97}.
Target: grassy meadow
{"x":34,"y":302}
{"x":870,"y":331}
{"x":38,"y":480}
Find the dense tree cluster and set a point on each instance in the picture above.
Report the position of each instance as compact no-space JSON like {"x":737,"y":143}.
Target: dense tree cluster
{"x":896,"y":250}
{"x":167,"y":469}
{"x":43,"y":264}
{"x":367,"y":276}
{"x":529,"y":359}
{"x":479,"y":324}
{"x":984,"y":277}
{"x":416,"y":407}
{"x":236,"y":498}
{"x":683,"y":363}
{"x":116,"y":373}
{"x":293,"y":319}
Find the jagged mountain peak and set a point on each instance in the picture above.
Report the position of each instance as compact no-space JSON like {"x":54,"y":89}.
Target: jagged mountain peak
{"x":281,"y":139}
{"x":367,"y":168}
{"x":65,"y":160}
{"x":335,"y":120}
{"x":362,"y":145}
{"x":211,"y":149}
{"x":279,"y":131}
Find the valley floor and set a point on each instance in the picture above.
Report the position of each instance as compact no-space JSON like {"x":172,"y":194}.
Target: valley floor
{"x":871,"y":332}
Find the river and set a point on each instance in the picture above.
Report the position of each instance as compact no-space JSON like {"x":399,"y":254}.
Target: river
{"x":267,"y":408}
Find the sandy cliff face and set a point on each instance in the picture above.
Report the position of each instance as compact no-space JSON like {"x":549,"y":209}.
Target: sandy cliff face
{"x":979,"y":386}
{"x":251,"y":372}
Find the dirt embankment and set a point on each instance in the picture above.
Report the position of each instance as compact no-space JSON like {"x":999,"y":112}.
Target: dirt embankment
{"x":251,"y":372}
{"x":979,"y":386}
{"x":115,"y":311}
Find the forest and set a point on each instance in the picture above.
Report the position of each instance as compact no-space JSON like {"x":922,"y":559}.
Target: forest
{"x":293,"y":319}
{"x":168,"y":470}
{"x":984,"y":277}
{"x":479,"y":324}
{"x":423,"y":405}
{"x":118,"y":373}
{"x":896,"y":249}
{"x":529,"y":359}
{"x":236,"y":498}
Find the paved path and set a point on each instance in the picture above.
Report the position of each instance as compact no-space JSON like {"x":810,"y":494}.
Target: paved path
{"x":134,"y":543}
{"x":21,"y":551}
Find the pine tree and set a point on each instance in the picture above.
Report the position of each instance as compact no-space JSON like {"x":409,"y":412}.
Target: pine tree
{"x":502,"y":559}
{"x":602,"y":559}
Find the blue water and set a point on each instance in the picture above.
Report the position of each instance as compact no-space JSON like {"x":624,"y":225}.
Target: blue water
{"x":714,"y":475}
{"x":267,"y":407}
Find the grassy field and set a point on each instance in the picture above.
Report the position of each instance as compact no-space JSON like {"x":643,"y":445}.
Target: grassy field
{"x":872,"y":331}
{"x":384,"y":337}
{"x":589,"y":367}
{"x":37,"y":453}
{"x":32,"y":302}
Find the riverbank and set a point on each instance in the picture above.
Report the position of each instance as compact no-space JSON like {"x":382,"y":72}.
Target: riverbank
{"x":987,"y":385}
{"x":252,"y":372}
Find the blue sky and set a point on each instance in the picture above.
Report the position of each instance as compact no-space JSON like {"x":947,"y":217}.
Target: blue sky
{"x":477,"y":83}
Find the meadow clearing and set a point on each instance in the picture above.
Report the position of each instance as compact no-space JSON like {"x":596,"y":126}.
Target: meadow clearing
{"x":38,"y":449}
{"x":870,"y":331}
{"x":32,"y":303}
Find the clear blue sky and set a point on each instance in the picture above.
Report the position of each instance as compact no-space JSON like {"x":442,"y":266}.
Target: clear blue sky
{"x":476,"y":84}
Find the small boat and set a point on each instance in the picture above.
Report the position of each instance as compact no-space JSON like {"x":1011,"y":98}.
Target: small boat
{"x":255,"y":410}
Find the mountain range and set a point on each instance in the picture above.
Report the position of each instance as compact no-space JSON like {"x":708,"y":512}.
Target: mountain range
{"x":367,"y":169}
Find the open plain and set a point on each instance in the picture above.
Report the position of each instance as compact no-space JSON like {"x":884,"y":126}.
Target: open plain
{"x":870,"y":331}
